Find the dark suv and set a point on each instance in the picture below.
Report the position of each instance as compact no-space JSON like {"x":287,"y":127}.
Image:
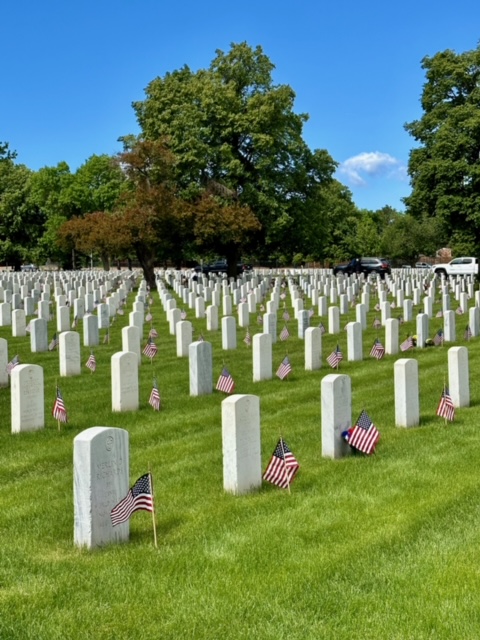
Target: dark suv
{"x":364,"y":265}
{"x":221,"y":266}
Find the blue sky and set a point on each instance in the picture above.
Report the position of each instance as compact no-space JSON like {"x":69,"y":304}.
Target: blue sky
{"x":71,"y":71}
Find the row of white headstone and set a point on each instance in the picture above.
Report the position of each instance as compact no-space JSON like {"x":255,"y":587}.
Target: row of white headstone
{"x":101,"y":454}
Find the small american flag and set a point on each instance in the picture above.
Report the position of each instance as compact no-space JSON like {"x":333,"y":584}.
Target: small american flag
{"x":148,"y":317}
{"x":183,"y":314}
{"x":284,"y":334}
{"x":393,"y":305}
{"x":364,"y":435}
{"x":322,"y":328}
{"x":106,"y":339}
{"x":400,"y":320}
{"x":225,"y":382}
{"x":248,"y":338}
{"x":378,"y":350}
{"x":407,"y":344}
{"x":150,"y":349}
{"x":283,"y":295}
{"x":438,"y":338}
{"x":139,"y":498}
{"x":262,"y":308}
{"x":53,"y":343}
{"x":120,"y":312}
{"x":459,"y":311}
{"x":59,"y":412}
{"x":259,"y":320}
{"x":286,"y":316}
{"x":91,"y":362}
{"x":439,"y":314}
{"x":377,"y":323}
{"x":201,"y":338}
{"x":154,"y":400}
{"x":335,"y":358}
{"x":283,"y":466}
{"x":284,"y":369}
{"x":153,"y":333}
{"x":311,"y":313}
{"x":12,"y":364}
{"x":468,"y":333}
{"x":150,"y":301}
{"x":28,"y":328}
{"x":445,"y":408}
{"x":75,"y":322}
{"x":377,"y":307}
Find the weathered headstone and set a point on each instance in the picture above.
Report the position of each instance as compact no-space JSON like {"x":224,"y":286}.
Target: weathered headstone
{"x":407,"y":409}
{"x":100,"y":482}
{"x":242,"y":463}
{"x":336,"y":409}
{"x":200,"y":368}
{"x":131,"y":341}
{"x":262,"y":357}
{"x":313,"y":349}
{"x":229,"y":333}
{"x":458,"y":376}
{"x":27,"y":398}
{"x":69,"y":353}
{"x":124,"y":365}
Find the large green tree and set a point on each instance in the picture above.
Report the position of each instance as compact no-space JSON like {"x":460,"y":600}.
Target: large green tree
{"x":445,"y":166}
{"x":21,"y":223}
{"x":234,"y":134}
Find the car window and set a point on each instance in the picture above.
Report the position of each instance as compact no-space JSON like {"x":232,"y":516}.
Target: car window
{"x":457,"y":261}
{"x":467,"y":261}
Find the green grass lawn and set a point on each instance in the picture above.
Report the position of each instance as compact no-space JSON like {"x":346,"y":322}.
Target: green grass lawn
{"x":385,"y":546}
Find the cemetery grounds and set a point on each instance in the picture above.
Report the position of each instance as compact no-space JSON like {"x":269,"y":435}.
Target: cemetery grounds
{"x":385,"y":546}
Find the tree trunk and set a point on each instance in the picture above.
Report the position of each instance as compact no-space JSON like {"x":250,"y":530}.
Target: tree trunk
{"x":105,"y":261}
{"x":231,"y":254}
{"x":147,"y":262}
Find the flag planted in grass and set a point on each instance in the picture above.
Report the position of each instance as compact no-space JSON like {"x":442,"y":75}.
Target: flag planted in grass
{"x":284,"y":334}
{"x":438,"y":338}
{"x":139,"y":498}
{"x":225,"y":382}
{"x":445,"y":407}
{"x":75,"y":322}
{"x":407,"y":344}
{"x":321,"y":326}
{"x":12,"y":364}
{"x":59,"y":411}
{"x":183,"y":314}
{"x":148,"y":317}
{"x":377,"y":323}
{"x":378,"y":350}
{"x":283,"y":466}
{"x":91,"y":362}
{"x":286,"y":316}
{"x":53,"y":343}
{"x":459,"y":311}
{"x":150,"y":349}
{"x":154,"y":400}
{"x":468,"y":333}
{"x":284,"y":369}
{"x":248,"y":338}
{"x":364,"y":435}
{"x":335,"y":358}
{"x":153,"y":333}
{"x":106,"y":338}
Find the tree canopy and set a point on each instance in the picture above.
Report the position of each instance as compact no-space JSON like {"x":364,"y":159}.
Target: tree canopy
{"x":235,"y":137}
{"x":445,"y":166}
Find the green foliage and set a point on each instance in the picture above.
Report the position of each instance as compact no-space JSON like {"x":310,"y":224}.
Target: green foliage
{"x":445,"y":167}
{"x":232,"y":130}
{"x":20,"y":221}
{"x":378,"y":547}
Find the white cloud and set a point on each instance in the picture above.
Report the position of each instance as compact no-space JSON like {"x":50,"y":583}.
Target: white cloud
{"x":372,"y":164}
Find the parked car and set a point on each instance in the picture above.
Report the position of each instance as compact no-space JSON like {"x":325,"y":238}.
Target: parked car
{"x":458,"y":267}
{"x":221,"y":266}
{"x":365,"y":266}
{"x":422,"y":265}
{"x":28,"y":267}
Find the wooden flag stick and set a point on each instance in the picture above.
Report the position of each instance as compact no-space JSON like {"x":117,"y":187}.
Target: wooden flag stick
{"x":285,"y":465}
{"x":153,"y":509}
